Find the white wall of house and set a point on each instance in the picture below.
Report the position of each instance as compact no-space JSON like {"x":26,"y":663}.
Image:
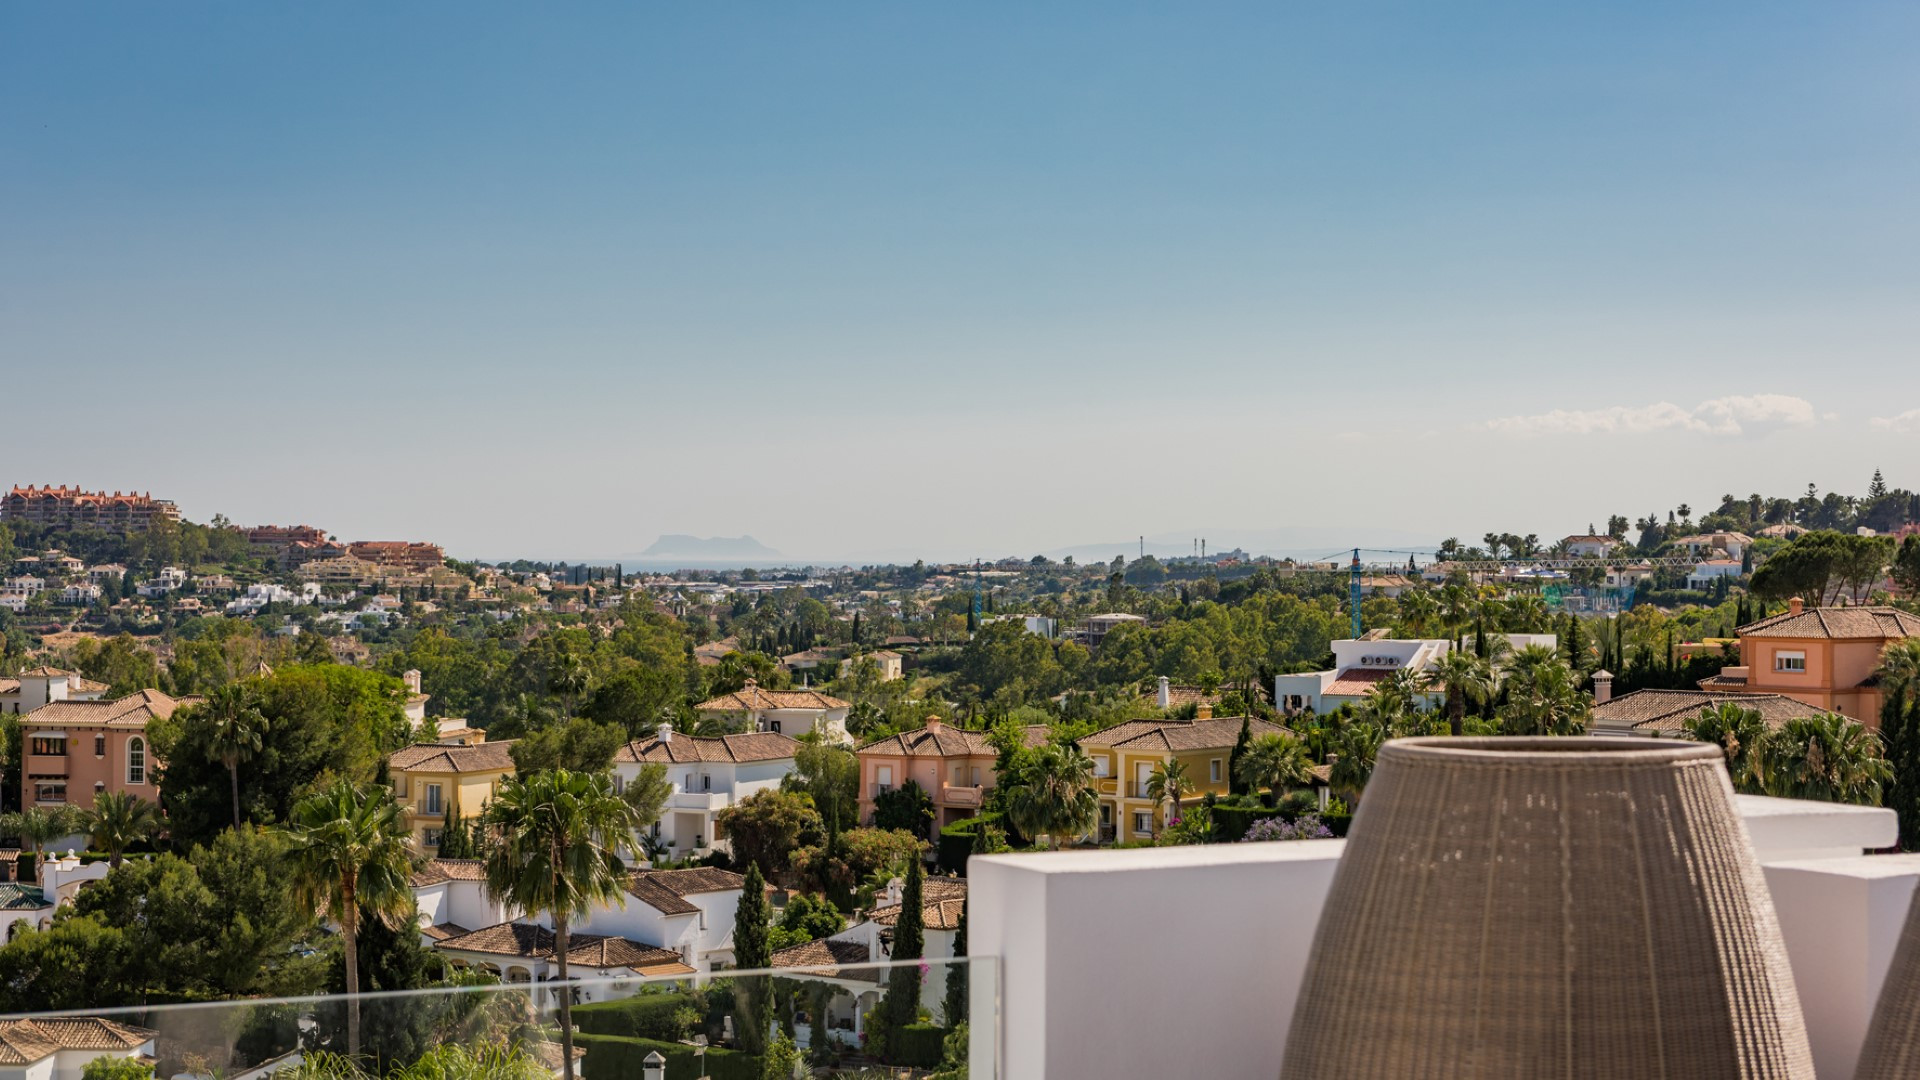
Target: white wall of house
{"x":462,"y":903}
{"x":702,"y":939}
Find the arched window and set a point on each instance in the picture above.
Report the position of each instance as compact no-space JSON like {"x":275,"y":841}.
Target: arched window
{"x":136,"y":760}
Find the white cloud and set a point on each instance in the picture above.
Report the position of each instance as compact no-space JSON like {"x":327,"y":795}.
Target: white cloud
{"x":1906,"y":421}
{"x":1727,"y":416}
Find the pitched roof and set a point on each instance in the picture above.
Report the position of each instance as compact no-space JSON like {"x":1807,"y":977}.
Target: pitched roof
{"x":17,"y":897}
{"x":751,"y":697}
{"x":445,"y":930}
{"x":436,"y":871}
{"x":453,"y":758}
{"x":941,"y":740}
{"x":828,"y":954}
{"x":531,"y":942}
{"x":666,"y":891}
{"x":1666,"y":711}
{"x":1218,"y":733}
{"x":133,"y":711}
{"x":942,"y":901}
{"x":752,"y":746}
{"x":23,"y":1042}
{"x":1853,"y":623}
{"x":1179,"y":695}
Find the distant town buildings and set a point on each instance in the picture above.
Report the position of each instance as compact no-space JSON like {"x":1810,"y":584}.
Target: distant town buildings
{"x":406,"y":555}
{"x":67,"y":506}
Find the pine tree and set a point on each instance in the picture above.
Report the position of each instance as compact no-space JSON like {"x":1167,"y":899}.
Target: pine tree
{"x":955,"y":1008}
{"x":1235,"y":785}
{"x":901,"y":1006}
{"x":1877,"y":488}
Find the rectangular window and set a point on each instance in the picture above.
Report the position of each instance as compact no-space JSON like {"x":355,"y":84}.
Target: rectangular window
{"x":136,"y":761}
{"x":883,"y":778}
{"x":1213,"y":770}
{"x":50,"y":792}
{"x":99,"y":746}
{"x":1789,"y":661}
{"x":433,"y":838}
{"x":706,"y":782}
{"x":433,"y":800}
{"x":51,"y":745}
{"x":1099,"y":766}
{"x":976,"y":776}
{"x":1142,"y":821}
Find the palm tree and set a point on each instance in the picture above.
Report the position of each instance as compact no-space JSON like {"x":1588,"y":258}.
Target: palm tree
{"x":347,"y":855}
{"x":1829,"y":758}
{"x":1544,"y":698}
{"x":1417,"y":609}
{"x":118,"y":819}
{"x":1165,"y":787}
{"x":38,"y":826}
{"x":1738,"y":732}
{"x":1357,"y":745}
{"x":1054,"y":795}
{"x":236,"y":728}
{"x":1466,"y":677}
{"x":560,"y":834}
{"x":1274,"y":762}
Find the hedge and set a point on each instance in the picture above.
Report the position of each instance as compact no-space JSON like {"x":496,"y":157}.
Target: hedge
{"x":919,"y":1045}
{"x":616,"y":1057}
{"x":1232,"y":819}
{"x":643,"y":1016}
{"x":956,"y":841}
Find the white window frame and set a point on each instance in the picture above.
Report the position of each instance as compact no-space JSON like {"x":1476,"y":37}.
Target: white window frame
{"x":883,"y":778}
{"x":432,"y":800}
{"x":1138,"y":828}
{"x":1101,"y":767}
{"x":1781,"y":661}
{"x":1213,"y":771}
{"x":136,"y":762}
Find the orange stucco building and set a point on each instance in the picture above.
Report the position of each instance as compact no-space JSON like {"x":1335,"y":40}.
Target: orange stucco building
{"x":1823,"y":656}
{"x":953,"y":765}
{"x":74,"y":750}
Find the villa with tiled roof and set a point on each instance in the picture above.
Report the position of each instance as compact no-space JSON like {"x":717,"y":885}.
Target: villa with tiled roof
{"x":431,"y":781}
{"x":788,"y":712}
{"x":836,"y":960}
{"x":77,"y":749}
{"x":60,"y":1047}
{"x":1823,"y":656}
{"x":689,"y":912}
{"x":953,"y":765}
{"x":1664,"y":713}
{"x":526,"y":952}
{"x":708,"y":774}
{"x":1126,"y":755}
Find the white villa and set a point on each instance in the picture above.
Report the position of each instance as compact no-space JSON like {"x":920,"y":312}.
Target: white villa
{"x":61,"y":1047}
{"x":708,"y":775}
{"x":783,"y":712}
{"x":1357,"y":666}
{"x":837,"y":960}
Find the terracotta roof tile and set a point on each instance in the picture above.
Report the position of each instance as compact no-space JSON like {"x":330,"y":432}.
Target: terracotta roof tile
{"x":23,"y":1042}
{"x":942,"y":900}
{"x":1667,"y":711}
{"x":666,"y":890}
{"x":681,"y":748}
{"x":1355,"y":682}
{"x":828,"y":955}
{"x":752,"y":698}
{"x":1850,"y":623}
{"x":1218,"y":733}
{"x":447,"y":757}
{"x":134,"y":711}
{"x":436,"y":871}
{"x":530,"y":942}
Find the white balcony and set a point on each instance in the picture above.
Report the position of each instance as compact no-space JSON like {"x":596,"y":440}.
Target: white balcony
{"x":699,"y":800}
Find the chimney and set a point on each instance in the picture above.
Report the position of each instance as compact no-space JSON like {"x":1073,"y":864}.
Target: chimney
{"x":412,"y":678}
{"x":1602,"y":687}
{"x":1204,"y":712}
{"x":1795,"y":606}
{"x":1163,"y":696}
{"x":934,"y":726}
{"x":665,"y":732}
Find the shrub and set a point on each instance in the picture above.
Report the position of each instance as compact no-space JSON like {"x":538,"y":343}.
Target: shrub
{"x":1304,"y":827}
{"x":918,"y":1045}
{"x":956,"y":841}
{"x":613,"y":1057}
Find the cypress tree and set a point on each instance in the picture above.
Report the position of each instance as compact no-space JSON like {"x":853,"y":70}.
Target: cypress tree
{"x":955,"y":1008}
{"x":1235,"y":785}
{"x":752,"y":949}
{"x":901,"y":1006}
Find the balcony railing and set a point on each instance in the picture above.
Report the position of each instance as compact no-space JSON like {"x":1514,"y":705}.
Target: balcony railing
{"x":509,"y":1027}
{"x":699,"y":800}
{"x":960,"y":794}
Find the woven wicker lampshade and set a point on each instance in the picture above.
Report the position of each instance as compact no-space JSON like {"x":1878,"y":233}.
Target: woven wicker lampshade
{"x":1892,"y":1049}
{"x":1564,"y":907}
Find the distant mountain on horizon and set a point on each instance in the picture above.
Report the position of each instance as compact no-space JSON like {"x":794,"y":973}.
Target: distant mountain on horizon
{"x":682,"y":546}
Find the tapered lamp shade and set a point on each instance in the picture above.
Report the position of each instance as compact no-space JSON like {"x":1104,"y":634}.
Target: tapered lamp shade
{"x":1558,"y":907}
{"x":1892,"y":1048}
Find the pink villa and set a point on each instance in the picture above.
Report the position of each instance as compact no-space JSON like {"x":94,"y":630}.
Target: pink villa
{"x":953,"y":765}
{"x":74,"y":750}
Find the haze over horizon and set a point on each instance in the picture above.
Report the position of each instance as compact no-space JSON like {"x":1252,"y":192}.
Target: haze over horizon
{"x":872,"y":281}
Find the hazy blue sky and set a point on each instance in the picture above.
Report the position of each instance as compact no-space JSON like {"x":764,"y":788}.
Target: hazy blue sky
{"x":956,"y":279}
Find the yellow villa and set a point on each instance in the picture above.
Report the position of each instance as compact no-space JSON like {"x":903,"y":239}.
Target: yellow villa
{"x":1126,"y":755}
{"x":432,"y":779}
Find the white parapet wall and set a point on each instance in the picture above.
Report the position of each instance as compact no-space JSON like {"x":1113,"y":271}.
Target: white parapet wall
{"x":1185,"y":961}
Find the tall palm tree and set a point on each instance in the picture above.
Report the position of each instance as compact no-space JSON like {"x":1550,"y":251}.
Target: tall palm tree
{"x":236,"y":729}
{"x":1166,"y":786}
{"x":1054,"y":796}
{"x":347,"y":855}
{"x":1544,"y":696}
{"x":560,"y":834}
{"x":1829,"y":758}
{"x":1738,"y":732}
{"x":1417,"y":609}
{"x":119,"y":818}
{"x":38,"y":826}
{"x":1465,"y":677}
{"x":1274,"y":762}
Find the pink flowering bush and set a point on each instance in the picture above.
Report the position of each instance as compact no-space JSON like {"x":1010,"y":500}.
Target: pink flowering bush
{"x":1304,"y":827}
